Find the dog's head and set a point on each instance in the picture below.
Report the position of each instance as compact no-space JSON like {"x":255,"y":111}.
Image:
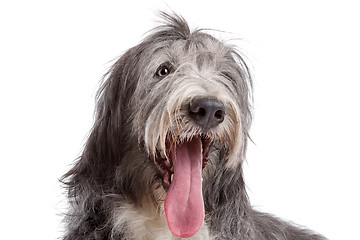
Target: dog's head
{"x":184,"y":99}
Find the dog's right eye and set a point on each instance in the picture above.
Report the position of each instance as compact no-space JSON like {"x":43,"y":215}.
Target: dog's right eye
{"x":163,"y":70}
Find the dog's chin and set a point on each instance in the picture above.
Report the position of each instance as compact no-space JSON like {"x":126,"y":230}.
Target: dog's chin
{"x":164,"y":159}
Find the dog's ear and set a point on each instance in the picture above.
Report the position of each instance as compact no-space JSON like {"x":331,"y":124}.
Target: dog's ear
{"x":237,"y":71}
{"x":107,"y":139}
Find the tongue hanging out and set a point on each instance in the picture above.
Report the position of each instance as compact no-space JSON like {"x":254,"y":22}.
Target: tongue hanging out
{"x":184,"y":205}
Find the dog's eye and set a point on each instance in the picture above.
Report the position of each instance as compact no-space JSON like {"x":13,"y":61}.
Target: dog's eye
{"x":163,"y":70}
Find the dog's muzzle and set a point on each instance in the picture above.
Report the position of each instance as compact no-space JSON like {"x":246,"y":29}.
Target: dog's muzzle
{"x":182,"y":167}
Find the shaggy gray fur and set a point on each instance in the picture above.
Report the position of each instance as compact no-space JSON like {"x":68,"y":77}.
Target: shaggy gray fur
{"x":144,"y":101}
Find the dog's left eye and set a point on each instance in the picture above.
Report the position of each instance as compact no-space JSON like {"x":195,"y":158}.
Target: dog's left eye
{"x":163,"y":70}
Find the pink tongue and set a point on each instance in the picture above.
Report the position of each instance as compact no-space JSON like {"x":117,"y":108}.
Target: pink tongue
{"x":184,"y":205}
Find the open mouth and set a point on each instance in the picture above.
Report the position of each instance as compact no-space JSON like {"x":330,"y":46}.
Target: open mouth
{"x":165,"y":163}
{"x":181,"y":169}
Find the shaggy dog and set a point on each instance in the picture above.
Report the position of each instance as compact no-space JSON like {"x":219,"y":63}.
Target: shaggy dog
{"x":164,"y":157}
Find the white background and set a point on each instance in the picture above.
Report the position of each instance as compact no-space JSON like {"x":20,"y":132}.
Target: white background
{"x":304,"y":165}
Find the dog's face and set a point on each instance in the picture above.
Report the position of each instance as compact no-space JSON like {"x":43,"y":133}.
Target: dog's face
{"x":187,"y":99}
{"x":194,"y":104}
{"x":192,"y":89}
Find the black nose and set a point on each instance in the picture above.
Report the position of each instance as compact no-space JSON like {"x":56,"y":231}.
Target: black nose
{"x":207,"y":113}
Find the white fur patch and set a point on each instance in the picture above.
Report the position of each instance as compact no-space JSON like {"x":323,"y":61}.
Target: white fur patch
{"x":147,"y":224}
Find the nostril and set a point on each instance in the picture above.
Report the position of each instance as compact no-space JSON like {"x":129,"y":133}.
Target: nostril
{"x":197,"y":112}
{"x":219,"y":115}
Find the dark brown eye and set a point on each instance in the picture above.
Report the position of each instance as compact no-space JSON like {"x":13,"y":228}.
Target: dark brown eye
{"x":163,"y":70}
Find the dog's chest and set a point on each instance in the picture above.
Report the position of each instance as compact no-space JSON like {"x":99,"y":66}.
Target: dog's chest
{"x":140,"y":224}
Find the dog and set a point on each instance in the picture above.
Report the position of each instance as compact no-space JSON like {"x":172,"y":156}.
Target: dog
{"x":164,"y":157}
